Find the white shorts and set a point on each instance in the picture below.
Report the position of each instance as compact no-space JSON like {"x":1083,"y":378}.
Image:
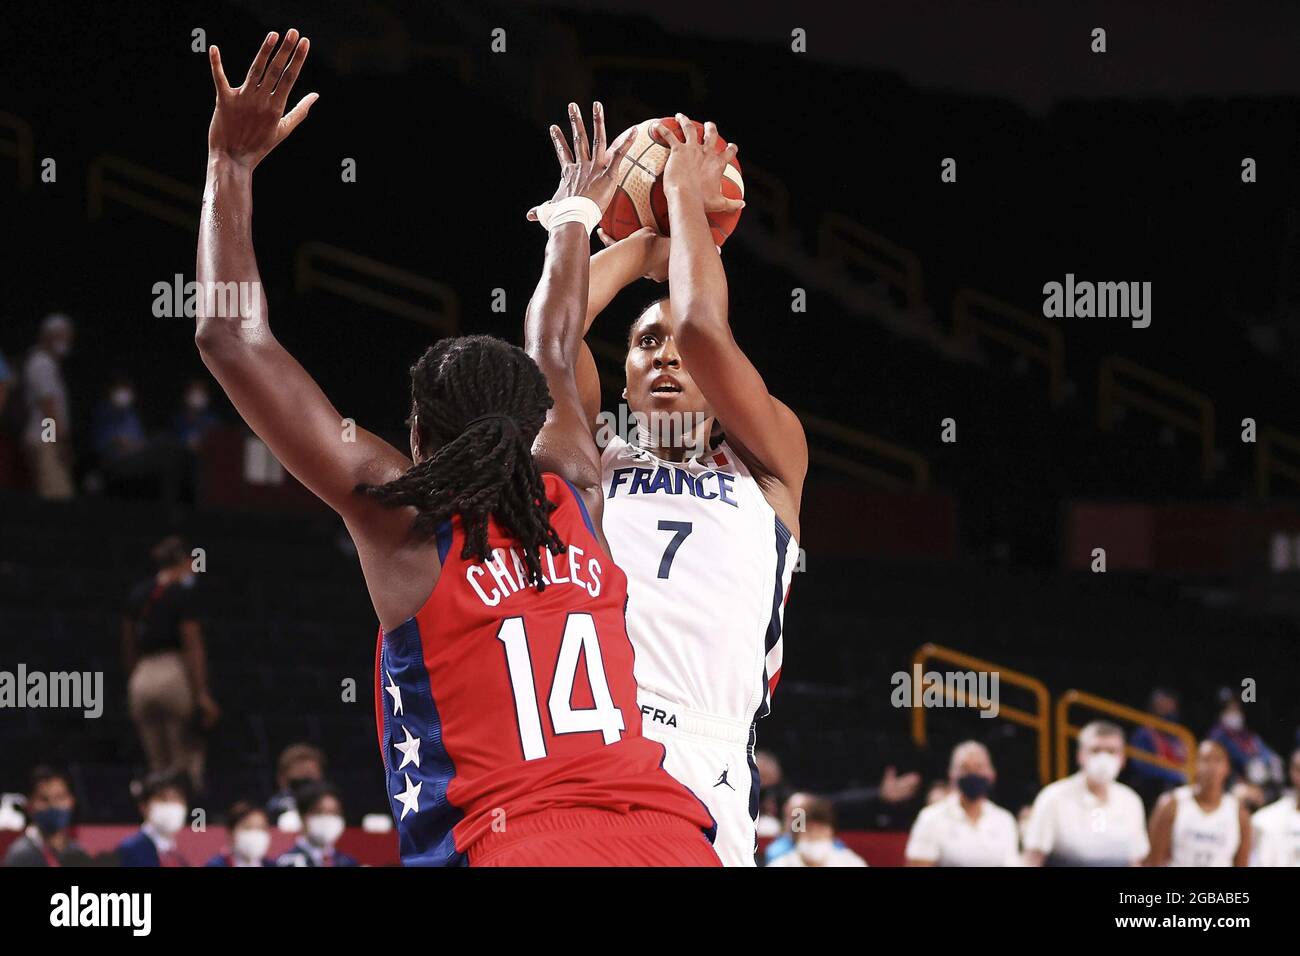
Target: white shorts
{"x":714,"y":758}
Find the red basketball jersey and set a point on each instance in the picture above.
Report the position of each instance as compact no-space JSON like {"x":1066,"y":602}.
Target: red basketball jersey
{"x":497,"y":700}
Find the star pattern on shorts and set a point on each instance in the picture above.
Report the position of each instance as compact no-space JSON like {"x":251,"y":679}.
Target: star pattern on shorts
{"x":410,"y":797}
{"x":409,"y":749}
{"x":396,"y":693}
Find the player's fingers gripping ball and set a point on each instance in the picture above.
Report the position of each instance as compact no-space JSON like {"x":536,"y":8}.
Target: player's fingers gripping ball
{"x":639,"y":197}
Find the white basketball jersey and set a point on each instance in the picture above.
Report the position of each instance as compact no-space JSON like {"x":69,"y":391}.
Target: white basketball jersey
{"x":1204,"y":839}
{"x":708,"y":567}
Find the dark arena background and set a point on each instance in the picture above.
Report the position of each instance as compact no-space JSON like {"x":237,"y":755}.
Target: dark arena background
{"x":1089,"y":507}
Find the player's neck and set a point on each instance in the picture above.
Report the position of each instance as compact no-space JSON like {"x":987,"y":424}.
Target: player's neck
{"x":680,"y":447}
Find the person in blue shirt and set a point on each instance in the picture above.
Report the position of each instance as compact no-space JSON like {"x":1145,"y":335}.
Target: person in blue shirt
{"x":195,"y":416}
{"x":321,"y":811}
{"x":250,"y":837}
{"x":118,"y":431}
{"x":164,"y":806}
{"x":1149,"y":780}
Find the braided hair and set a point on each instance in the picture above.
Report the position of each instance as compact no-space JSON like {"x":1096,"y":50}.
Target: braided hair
{"x":479,"y":402}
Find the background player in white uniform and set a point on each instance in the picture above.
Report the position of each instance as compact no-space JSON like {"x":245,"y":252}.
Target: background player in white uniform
{"x":705,"y":531}
{"x":1275,"y":829}
{"x":1200,"y":824}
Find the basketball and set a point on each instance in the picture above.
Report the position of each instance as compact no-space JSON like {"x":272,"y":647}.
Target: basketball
{"x":640,"y":201}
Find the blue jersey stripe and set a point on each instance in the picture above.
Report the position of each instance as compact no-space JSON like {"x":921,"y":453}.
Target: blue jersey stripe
{"x":425,"y":832}
{"x":774,"y":622}
{"x":582,"y":506}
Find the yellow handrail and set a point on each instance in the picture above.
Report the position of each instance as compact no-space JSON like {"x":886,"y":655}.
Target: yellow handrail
{"x":21,"y":148}
{"x":1037,"y":722}
{"x":1111,"y":393}
{"x":1064,"y":731}
{"x":1051,"y":352}
{"x":1266,"y":463}
{"x":308,"y":276}
{"x":841,"y":240}
{"x":132,"y":175}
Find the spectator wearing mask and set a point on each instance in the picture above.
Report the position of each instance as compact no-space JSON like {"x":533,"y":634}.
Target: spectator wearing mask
{"x":1251,"y":758}
{"x":166,"y":663}
{"x":47,"y":841}
{"x":965,"y":827}
{"x":299,"y":765}
{"x":815,"y":843}
{"x":163,"y":806}
{"x":1275,"y":828}
{"x":250,"y":837}
{"x":195,"y":417}
{"x":773,"y":789}
{"x":1089,"y":818}
{"x":1148,"y":779}
{"x":321,"y":811}
{"x":47,"y":439}
{"x":118,"y":431}
{"x":1201,"y":824}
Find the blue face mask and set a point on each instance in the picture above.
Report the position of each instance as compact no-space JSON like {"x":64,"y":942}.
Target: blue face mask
{"x":974,"y":785}
{"x":52,"y":820}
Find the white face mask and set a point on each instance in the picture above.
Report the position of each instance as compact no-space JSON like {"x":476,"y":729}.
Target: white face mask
{"x":167,"y":818}
{"x":1233,"y":720}
{"x":815,"y":852}
{"x":1102,"y":767}
{"x":197,"y":401}
{"x":122,"y":398}
{"x":252,"y":844}
{"x":324,"y":829}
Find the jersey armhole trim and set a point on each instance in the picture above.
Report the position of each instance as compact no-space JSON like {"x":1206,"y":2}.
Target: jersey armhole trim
{"x":582,"y":505}
{"x":443,"y":535}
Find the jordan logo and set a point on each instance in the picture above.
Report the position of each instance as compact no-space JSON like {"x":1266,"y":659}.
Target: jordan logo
{"x":723,"y":779}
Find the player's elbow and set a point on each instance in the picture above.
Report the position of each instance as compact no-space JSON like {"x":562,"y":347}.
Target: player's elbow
{"x":701,"y":327}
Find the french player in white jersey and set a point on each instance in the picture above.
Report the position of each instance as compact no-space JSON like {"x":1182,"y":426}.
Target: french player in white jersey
{"x":1275,"y":829}
{"x":1201,"y":824}
{"x":702,"y":505}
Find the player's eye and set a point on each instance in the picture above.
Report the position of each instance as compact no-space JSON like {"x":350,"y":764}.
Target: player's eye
{"x":648,"y":341}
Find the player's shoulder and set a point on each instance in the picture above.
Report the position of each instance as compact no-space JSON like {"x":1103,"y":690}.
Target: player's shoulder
{"x":1270,"y":814}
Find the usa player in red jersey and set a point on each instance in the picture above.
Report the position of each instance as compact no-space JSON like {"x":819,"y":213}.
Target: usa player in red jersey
{"x":505,"y":698}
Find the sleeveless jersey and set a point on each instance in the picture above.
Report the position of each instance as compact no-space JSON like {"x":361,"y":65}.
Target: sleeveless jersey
{"x":497,"y":700}
{"x":708,"y":564}
{"x":1204,"y":839}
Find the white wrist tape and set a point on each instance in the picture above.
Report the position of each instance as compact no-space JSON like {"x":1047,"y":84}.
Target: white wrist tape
{"x":552,"y":215}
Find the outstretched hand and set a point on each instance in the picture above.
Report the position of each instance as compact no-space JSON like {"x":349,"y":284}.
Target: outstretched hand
{"x":587,"y":170}
{"x":698,"y":164}
{"x":250,"y":120}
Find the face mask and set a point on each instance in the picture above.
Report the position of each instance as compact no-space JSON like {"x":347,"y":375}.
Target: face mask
{"x":815,"y":852}
{"x":52,"y":820}
{"x":324,"y":828}
{"x":122,"y":398}
{"x":1233,"y":720}
{"x":1102,"y":767}
{"x":252,"y":844}
{"x":167,"y":818}
{"x":197,"y":401}
{"x":974,"y":785}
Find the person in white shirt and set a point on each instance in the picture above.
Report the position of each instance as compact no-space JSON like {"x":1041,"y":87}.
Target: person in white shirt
{"x":1275,"y":829}
{"x":814,"y":839}
{"x":1200,"y":824}
{"x":47,"y":439}
{"x":964,"y":827}
{"x":1089,"y":818}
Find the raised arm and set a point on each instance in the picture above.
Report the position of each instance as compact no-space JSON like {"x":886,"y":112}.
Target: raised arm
{"x":557,"y":312}
{"x":762,"y":426}
{"x":275,"y":396}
